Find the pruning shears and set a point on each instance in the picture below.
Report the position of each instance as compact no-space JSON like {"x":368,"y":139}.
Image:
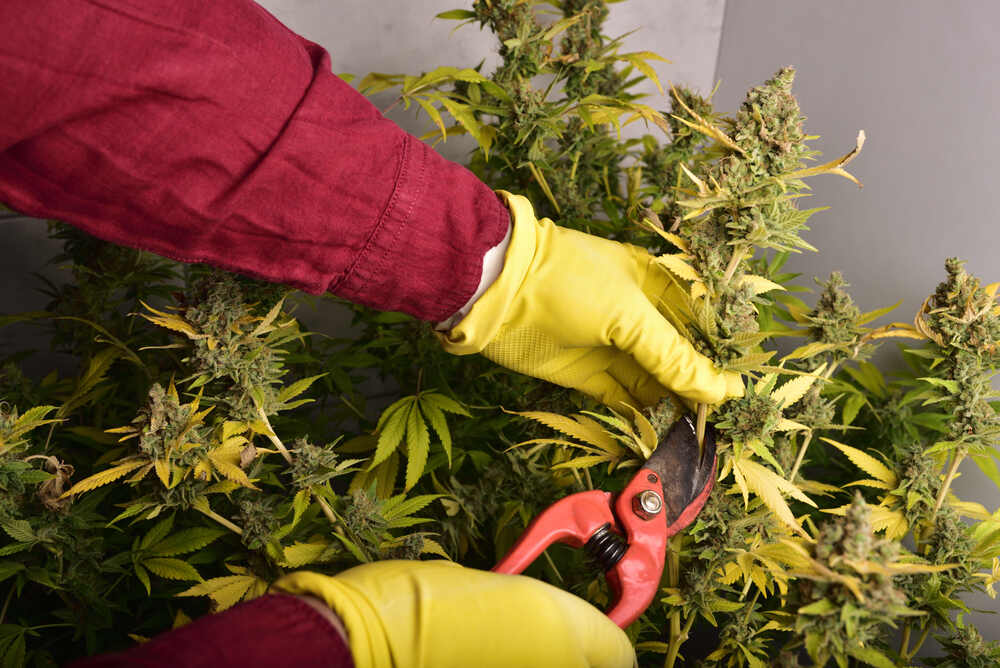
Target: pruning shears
{"x":627,"y":535}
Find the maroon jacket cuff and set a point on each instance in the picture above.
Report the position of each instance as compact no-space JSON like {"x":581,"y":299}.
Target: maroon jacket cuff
{"x":273,"y":631}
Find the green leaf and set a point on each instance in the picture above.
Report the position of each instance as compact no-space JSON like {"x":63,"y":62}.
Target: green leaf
{"x":352,"y":548}
{"x":300,"y":502}
{"x":871,"y":656}
{"x":445,"y":403}
{"x":638,"y":60}
{"x":435,"y":416}
{"x":399,"y":506}
{"x":808,"y":350}
{"x":876,"y":314}
{"x":456,"y":14}
{"x":9,"y":568}
{"x":186,"y":541}
{"x":950,"y":385}
{"x":391,"y":433}
{"x":821,"y":607}
{"x":13,"y":647}
{"x":869,"y":377}
{"x":19,"y":530}
{"x":157,"y":533}
{"x":434,"y":114}
{"x":417,"y":446}
{"x":297,"y":388}
{"x":988,"y":466}
{"x":852,"y":405}
{"x":749,"y":362}
{"x":171,"y":569}
{"x":143,"y":576}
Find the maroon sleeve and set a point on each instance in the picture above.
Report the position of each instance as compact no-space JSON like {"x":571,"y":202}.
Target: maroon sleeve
{"x":274,"y":631}
{"x":209,"y":132}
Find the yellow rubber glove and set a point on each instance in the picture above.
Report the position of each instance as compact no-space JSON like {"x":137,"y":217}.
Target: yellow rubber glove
{"x":580,"y":311}
{"x":437,"y":614}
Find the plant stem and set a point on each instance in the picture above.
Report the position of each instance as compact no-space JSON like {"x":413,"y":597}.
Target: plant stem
{"x":947,"y":480}
{"x":799,"y":458}
{"x":674,"y":649}
{"x":352,"y":407}
{"x":905,"y":642}
{"x":274,"y":437}
{"x":6,"y":602}
{"x":208,"y":512}
{"x":673,"y":578}
{"x":920,"y":641}
{"x":327,"y":510}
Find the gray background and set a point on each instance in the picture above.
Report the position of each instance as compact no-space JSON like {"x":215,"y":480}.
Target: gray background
{"x":919,"y":76}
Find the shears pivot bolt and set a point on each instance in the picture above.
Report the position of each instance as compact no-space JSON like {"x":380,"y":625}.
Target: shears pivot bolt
{"x":647,"y":505}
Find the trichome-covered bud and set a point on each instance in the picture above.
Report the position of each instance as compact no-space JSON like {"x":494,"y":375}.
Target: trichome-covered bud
{"x":833,"y":318}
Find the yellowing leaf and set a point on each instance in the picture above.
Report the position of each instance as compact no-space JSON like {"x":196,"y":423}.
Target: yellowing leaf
{"x":784,"y":424}
{"x":300,"y":554}
{"x":103,"y":478}
{"x":162,"y":468}
{"x":581,"y":428}
{"x":759,"y":285}
{"x":433,"y":547}
{"x":893,"y":522}
{"x":866,"y":463}
{"x":768,"y":486}
{"x":678,"y":266}
{"x":832,"y":167}
{"x":226,"y":591}
{"x":796,"y":388}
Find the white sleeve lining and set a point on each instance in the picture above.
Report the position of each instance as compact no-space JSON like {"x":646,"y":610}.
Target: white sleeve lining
{"x":493,"y":263}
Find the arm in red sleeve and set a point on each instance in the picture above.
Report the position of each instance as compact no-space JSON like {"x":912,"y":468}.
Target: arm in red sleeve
{"x":274,"y":631}
{"x":209,"y":132}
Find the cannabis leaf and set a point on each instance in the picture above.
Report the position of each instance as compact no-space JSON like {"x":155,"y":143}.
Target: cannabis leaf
{"x":406,"y":420}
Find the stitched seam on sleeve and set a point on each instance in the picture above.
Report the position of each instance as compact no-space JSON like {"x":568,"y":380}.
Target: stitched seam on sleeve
{"x":397,"y":182}
{"x":417,"y":193}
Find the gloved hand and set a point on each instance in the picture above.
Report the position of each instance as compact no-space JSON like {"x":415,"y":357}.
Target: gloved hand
{"x":580,"y":311}
{"x":437,"y":614}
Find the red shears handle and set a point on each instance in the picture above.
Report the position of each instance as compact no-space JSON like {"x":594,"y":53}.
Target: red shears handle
{"x":574,"y":520}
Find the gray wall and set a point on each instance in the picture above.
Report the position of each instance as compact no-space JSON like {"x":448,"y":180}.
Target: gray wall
{"x":919,"y":76}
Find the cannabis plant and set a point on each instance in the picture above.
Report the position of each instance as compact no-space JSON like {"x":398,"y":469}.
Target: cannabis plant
{"x":209,"y":442}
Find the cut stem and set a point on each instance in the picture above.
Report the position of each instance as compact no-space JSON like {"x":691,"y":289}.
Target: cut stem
{"x":800,"y":457}
{"x":271,"y":436}
{"x":947,"y":480}
{"x":734,"y":262}
{"x":700,"y":423}
{"x":220,"y":519}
